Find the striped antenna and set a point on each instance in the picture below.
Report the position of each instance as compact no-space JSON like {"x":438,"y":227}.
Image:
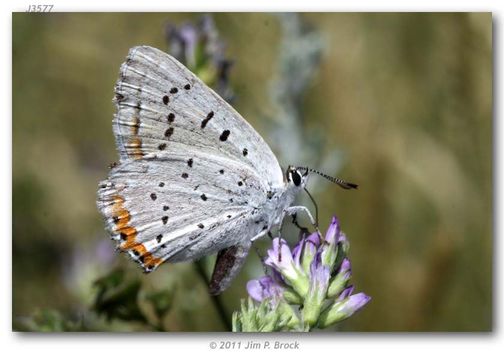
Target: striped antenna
{"x":344,"y":184}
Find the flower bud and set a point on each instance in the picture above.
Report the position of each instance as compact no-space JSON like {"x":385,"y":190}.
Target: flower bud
{"x":329,"y":249}
{"x":340,"y":281}
{"x":319,"y":281}
{"x":342,"y":310}
{"x":309,"y":251}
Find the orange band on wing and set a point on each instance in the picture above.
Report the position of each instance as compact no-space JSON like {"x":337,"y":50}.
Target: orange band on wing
{"x":128,"y":233}
{"x":134,"y":148}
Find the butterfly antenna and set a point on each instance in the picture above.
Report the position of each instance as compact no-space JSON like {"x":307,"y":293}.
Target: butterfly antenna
{"x":344,"y":184}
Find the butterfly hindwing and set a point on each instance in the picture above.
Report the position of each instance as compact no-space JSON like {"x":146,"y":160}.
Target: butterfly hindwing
{"x":180,"y":206}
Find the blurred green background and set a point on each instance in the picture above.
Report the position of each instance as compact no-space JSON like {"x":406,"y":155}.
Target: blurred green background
{"x":399,"y":103}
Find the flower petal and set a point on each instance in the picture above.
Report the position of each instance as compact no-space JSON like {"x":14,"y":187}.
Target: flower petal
{"x":345,"y":266}
{"x":319,"y":277}
{"x":355,"y":303}
{"x":339,"y":311}
{"x":280,"y":259}
{"x":255,"y":290}
{"x":314,"y":238}
{"x":319,"y":282}
{"x":298,"y":251}
{"x":333,"y":232}
{"x":346,"y":293}
{"x":280,"y":255}
{"x":263,"y":288}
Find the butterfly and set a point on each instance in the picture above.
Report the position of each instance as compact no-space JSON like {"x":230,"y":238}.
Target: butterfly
{"x":193,"y":178}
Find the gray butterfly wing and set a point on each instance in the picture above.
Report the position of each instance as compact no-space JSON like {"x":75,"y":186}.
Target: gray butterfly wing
{"x":162,"y":106}
{"x":193,"y":174}
{"x":180,"y":206}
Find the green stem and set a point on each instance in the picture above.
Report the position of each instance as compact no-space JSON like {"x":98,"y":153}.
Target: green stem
{"x":216,"y":300}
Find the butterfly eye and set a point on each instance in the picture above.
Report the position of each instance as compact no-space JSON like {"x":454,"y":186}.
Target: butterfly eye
{"x":296,"y":178}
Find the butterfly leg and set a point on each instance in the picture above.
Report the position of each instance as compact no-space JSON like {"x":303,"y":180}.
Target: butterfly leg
{"x":295,"y":222}
{"x":227,"y":266}
{"x":294,"y":210}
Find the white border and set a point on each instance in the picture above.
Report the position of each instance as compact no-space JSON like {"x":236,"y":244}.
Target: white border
{"x":371,"y":346}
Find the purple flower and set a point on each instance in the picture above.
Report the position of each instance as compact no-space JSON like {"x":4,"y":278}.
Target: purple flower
{"x":345,"y":266}
{"x":310,"y":277}
{"x":340,"y":280}
{"x":263,"y":288}
{"x":280,"y":258}
{"x":319,"y":281}
{"x":319,"y":276}
{"x":305,"y":251}
{"x":341,"y":310}
{"x":333,"y":232}
{"x":329,"y":249}
{"x":346,"y":293}
{"x":354,"y":304}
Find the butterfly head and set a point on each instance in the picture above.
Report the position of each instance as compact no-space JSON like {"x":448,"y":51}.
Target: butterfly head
{"x":296,"y":177}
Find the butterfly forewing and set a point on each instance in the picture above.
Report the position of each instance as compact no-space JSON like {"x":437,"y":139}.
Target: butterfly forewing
{"x":161,"y":105}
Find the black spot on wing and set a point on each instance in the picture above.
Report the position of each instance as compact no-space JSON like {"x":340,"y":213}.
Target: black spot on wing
{"x":166,"y":207}
{"x":201,"y":226}
{"x":158,"y":238}
{"x":171,"y":117}
{"x":224,"y":136}
{"x":169,"y":132}
{"x":164,"y":219}
{"x":221,"y":171}
{"x":190,"y":162}
{"x":245,"y":152}
{"x":187,"y":87}
{"x":166,"y":99}
{"x":161,"y":184}
{"x":185,"y":175}
{"x":204,"y":197}
{"x":173,"y":90}
{"x":153,"y":196}
{"x":207,"y":119}
{"x":162,"y":146}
